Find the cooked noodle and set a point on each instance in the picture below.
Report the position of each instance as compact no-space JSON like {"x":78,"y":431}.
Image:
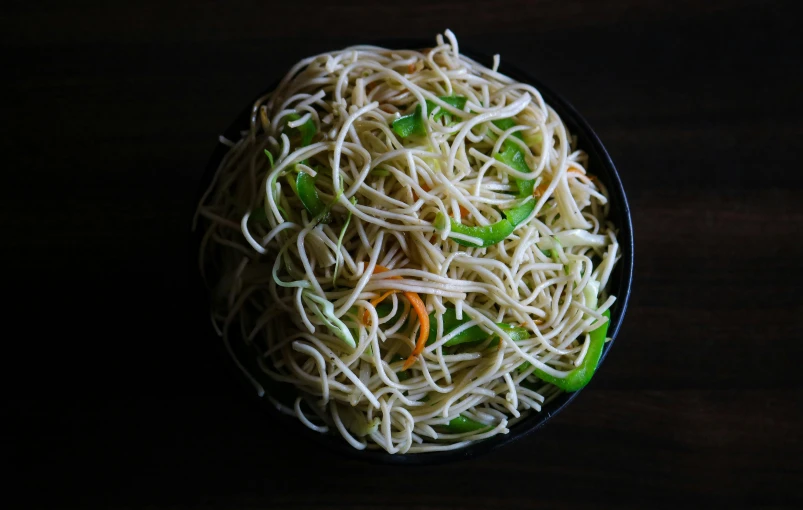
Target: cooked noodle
{"x":298,"y":291}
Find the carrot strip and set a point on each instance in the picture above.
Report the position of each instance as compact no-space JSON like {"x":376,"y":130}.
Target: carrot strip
{"x":423,"y":332}
{"x":374,"y":302}
{"x":420,"y":310}
{"x":463,"y":212}
{"x":423,"y":187}
{"x":377,"y":300}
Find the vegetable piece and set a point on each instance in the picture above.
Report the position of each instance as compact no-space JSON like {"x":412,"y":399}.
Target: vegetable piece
{"x":488,"y":235}
{"x":326,"y":312}
{"x":380,"y":298}
{"x":516,"y":334}
{"x":574,"y":237}
{"x":413,"y":124}
{"x":305,"y":187}
{"x":305,"y":183}
{"x":423,"y":332}
{"x":270,"y":157}
{"x":374,"y":303}
{"x":472,"y":334}
{"x":516,"y":215}
{"x":513,"y":156}
{"x":579,"y":377}
{"x":505,"y":124}
{"x":403,"y":376}
{"x":423,"y":319}
{"x":340,"y":243}
{"x":590,"y":292}
{"x":384,"y":309}
{"x":306,"y":130}
{"x":358,"y":425}
{"x":458,"y":102}
{"x":461,"y":424}
{"x":317,"y":246}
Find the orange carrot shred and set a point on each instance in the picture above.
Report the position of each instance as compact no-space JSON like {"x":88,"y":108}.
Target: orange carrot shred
{"x":423,"y":332}
{"x":463,"y":212}
{"x":366,"y":316}
{"x":377,"y":300}
{"x":420,"y":310}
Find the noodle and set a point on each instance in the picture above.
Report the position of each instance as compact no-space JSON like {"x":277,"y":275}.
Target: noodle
{"x":386,"y":216}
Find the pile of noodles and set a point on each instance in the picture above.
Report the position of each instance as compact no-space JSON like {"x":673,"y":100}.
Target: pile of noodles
{"x":296,"y":289}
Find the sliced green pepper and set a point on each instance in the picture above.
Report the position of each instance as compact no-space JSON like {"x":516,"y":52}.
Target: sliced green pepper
{"x":472,"y":334}
{"x":579,"y":377}
{"x":305,"y":187}
{"x":450,"y":323}
{"x":403,"y":376}
{"x":413,"y":124}
{"x":458,"y":102}
{"x":488,"y":235}
{"x":515,"y":333}
{"x":383,"y":309}
{"x":306,"y":130}
{"x":461,"y":424}
{"x":513,"y":156}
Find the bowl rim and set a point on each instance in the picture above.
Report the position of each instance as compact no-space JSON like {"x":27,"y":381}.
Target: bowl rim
{"x":589,"y":141}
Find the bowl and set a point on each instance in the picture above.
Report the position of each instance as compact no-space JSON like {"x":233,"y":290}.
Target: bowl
{"x":620,"y":282}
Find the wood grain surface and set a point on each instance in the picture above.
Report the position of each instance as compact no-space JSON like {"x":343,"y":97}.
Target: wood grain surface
{"x":115,"y":394}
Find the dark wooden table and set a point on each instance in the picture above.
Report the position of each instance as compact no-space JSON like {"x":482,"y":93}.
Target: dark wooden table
{"x":114,"y":394}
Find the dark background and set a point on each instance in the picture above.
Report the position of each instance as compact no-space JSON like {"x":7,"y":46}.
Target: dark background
{"x":115,"y":394}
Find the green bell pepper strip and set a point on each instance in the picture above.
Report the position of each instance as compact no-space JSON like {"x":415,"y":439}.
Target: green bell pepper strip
{"x":488,"y":235}
{"x":383,"y":309}
{"x":458,"y":102}
{"x":403,"y":376}
{"x":413,"y":124}
{"x":461,"y":424}
{"x":472,"y":334}
{"x":305,"y":183}
{"x":305,"y":187}
{"x":579,"y":377}
{"x":450,"y":323}
{"x":306,"y":130}
{"x":514,"y":157}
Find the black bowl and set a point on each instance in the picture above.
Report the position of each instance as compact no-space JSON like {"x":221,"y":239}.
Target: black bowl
{"x":620,"y":282}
